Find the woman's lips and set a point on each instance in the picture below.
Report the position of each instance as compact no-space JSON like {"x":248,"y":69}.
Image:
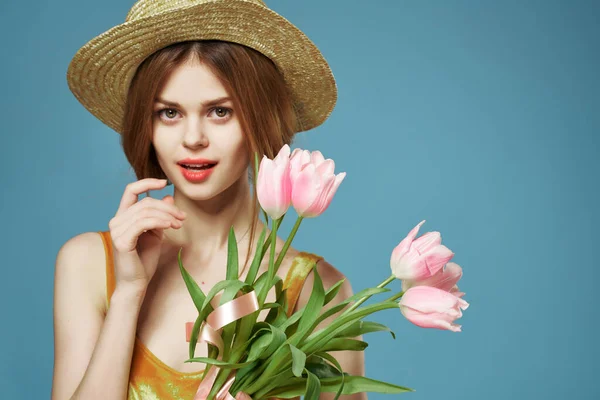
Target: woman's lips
{"x":198,"y":175}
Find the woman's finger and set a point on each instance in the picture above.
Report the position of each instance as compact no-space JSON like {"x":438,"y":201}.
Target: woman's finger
{"x":134,"y":189}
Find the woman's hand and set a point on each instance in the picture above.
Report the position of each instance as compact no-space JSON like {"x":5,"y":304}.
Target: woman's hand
{"x":137,"y":232}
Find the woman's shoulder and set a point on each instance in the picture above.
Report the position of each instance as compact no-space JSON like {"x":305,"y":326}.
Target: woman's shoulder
{"x":81,"y":260}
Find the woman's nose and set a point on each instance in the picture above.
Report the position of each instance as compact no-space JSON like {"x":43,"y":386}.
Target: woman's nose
{"x":195,"y":134}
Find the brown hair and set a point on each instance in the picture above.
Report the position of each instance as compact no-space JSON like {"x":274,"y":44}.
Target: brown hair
{"x":257,"y":89}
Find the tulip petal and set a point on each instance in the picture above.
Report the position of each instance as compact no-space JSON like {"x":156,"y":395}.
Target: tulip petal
{"x":327,"y":167}
{"x":430,"y":307}
{"x":298,"y":160}
{"x":444,"y":279}
{"x":273,"y":185}
{"x":334,"y":187}
{"x":318,"y":204}
{"x":428,"y":299}
{"x":452,"y":273}
{"x":411,"y":266}
{"x":456,"y":291}
{"x":437,"y":257}
{"x":305,"y":189}
{"x":313,"y":182}
{"x":405,"y":244}
{"x":427,"y":242}
{"x":284,"y":154}
{"x":434,"y":321}
{"x":295,"y":152}
{"x":316,"y":157}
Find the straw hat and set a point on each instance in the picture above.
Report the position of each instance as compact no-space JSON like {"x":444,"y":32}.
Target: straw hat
{"x":100,"y":72}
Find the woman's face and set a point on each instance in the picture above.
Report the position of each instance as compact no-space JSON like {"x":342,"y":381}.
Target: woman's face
{"x":194,"y":118}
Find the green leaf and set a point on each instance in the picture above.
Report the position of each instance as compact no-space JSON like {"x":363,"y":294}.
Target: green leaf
{"x":274,"y":382}
{"x":322,"y":336}
{"x":298,"y":360}
{"x":353,"y":384}
{"x":192,"y":287}
{"x":340,"y":306}
{"x":233,"y":286}
{"x":361,"y":327}
{"x":219,"y":363}
{"x":266,"y":344}
{"x":295,"y":317}
{"x":242,"y":375}
{"x":194,"y":336}
{"x":313,"y":387}
{"x":321,"y":368}
{"x":227,"y":336}
{"x":260,"y":282}
{"x":339,"y":344}
{"x":232,"y":256}
{"x":333,"y":291}
{"x":312,"y":309}
{"x":242,"y":339}
{"x":262,"y":374}
{"x":271,"y":305}
{"x":277,"y":316}
{"x":335,"y":362}
{"x":251,"y":276}
{"x":328,"y":313}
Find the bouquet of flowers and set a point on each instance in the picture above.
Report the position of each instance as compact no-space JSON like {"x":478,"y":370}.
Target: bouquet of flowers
{"x":285,"y":356}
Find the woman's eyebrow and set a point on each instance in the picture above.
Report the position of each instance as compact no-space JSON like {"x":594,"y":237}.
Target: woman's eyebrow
{"x":208,"y":103}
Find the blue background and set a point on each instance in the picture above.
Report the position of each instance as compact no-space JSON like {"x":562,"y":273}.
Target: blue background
{"x":481,"y":117}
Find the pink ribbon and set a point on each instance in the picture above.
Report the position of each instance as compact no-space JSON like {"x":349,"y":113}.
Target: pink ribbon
{"x":210,"y":332}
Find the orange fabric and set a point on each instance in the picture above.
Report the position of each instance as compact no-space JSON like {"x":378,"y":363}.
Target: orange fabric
{"x":150,"y":378}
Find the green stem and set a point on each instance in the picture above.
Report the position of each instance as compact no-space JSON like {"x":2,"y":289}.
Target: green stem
{"x":267,"y":242}
{"x":327,"y":333}
{"x":288,"y":242}
{"x":358,"y":303}
{"x":272,"y":254}
{"x":396,"y":296}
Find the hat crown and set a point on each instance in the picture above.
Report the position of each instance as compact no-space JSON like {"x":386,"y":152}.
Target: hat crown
{"x":146,"y":8}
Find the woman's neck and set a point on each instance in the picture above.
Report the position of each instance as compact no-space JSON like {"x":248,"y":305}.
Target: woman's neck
{"x":206,"y":229}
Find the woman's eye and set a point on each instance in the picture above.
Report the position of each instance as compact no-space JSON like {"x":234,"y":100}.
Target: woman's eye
{"x":221,"y":112}
{"x":168,"y":112}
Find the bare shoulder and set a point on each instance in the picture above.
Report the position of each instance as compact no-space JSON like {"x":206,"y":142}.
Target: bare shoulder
{"x":81,"y":260}
{"x":79,"y":305}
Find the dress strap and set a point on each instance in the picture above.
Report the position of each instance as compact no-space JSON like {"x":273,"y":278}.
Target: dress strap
{"x":110,"y":267}
{"x":303,"y":263}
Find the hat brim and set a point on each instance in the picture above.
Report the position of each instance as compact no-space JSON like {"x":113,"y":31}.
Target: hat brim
{"x":100,"y":72}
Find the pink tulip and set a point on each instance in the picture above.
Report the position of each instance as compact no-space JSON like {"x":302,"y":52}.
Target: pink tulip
{"x":313,"y":182}
{"x":421,"y":258}
{"x":430,"y":307}
{"x":273,"y":184}
{"x":444,"y":279}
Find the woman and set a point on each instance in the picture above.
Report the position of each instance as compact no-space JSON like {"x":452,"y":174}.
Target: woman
{"x":194,"y":88}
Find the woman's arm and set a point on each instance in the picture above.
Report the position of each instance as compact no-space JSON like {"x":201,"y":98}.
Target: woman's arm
{"x":92,"y":353}
{"x":352,"y":362}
